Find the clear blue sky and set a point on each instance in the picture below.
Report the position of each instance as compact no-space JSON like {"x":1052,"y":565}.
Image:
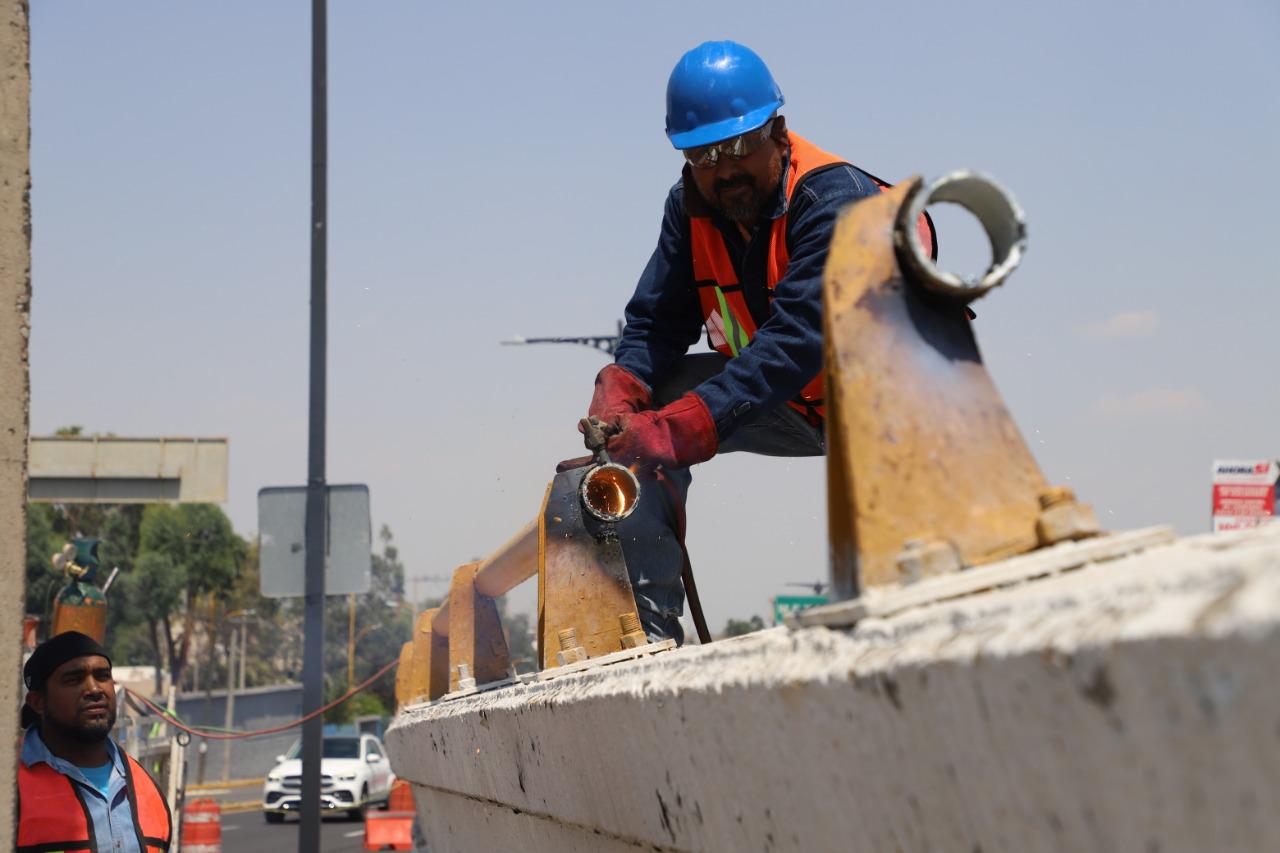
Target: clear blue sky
{"x":499,"y":169}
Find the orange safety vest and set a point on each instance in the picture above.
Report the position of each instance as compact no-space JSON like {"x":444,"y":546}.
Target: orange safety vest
{"x":52,"y":814}
{"x":730,"y":326}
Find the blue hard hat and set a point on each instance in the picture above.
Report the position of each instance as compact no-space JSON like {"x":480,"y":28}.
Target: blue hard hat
{"x":718,"y":90}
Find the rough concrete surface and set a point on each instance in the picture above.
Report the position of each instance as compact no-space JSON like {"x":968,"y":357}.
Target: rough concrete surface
{"x":15,"y":302}
{"x":1130,"y":706}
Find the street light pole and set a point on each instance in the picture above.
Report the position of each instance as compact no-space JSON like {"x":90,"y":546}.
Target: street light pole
{"x":316,"y":515}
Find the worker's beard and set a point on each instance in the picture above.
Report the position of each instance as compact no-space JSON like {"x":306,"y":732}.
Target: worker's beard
{"x":742,"y":198}
{"x":738,"y":199}
{"x":88,"y":733}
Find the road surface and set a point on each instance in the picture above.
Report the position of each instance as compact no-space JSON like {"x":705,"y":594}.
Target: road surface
{"x":248,"y":832}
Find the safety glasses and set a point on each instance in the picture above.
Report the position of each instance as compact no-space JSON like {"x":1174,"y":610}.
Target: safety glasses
{"x":737,"y":148}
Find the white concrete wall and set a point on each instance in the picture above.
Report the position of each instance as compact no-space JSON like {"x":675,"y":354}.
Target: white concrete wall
{"x":15,"y":328}
{"x":1128,"y":706}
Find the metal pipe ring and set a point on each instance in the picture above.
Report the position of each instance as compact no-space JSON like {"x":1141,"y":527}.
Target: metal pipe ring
{"x":995,"y":209}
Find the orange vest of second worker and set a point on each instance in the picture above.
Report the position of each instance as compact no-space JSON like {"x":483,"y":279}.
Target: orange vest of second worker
{"x":53,"y":817}
{"x":730,"y":326}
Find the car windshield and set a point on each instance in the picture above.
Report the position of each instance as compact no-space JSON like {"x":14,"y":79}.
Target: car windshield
{"x":334,"y":747}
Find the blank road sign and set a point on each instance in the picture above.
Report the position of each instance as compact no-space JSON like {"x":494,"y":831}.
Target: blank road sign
{"x":282,"y":512}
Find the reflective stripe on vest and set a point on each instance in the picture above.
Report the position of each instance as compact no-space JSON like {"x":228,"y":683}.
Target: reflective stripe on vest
{"x":730,"y":326}
{"x":52,"y":814}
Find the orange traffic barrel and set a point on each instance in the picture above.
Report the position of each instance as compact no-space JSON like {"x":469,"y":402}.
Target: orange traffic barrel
{"x":202,"y":826}
{"x":392,"y":829}
{"x":401,"y":797}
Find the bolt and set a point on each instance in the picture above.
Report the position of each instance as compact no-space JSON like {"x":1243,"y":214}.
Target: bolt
{"x":633,"y":635}
{"x":1055,"y":495}
{"x":922,"y":558}
{"x":1063,"y":519}
{"x":570,"y":651}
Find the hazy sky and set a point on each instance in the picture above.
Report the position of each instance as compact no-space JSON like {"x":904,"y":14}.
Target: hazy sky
{"x":499,"y":169}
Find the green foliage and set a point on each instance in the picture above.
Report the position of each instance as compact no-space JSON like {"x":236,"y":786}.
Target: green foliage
{"x":50,"y":526}
{"x":185,"y":552}
{"x":194,"y":541}
{"x":363,"y":704}
{"x":738,"y":627}
{"x":43,"y":540}
{"x":383,"y":622}
{"x":187,"y":581}
{"x":274,"y":641}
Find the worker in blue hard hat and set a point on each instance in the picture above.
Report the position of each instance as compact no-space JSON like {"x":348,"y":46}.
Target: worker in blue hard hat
{"x":740,"y":256}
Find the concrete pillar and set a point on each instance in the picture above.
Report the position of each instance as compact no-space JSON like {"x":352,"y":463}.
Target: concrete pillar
{"x":15,"y":327}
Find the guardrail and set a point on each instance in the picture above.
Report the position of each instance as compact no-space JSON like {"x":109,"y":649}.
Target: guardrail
{"x":586,"y":608}
{"x":927,"y":473}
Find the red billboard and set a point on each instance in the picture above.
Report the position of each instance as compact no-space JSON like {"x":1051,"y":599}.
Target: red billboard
{"x":1244,"y":492}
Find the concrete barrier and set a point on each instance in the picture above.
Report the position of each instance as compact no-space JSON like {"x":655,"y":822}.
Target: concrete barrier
{"x":1130,"y":705}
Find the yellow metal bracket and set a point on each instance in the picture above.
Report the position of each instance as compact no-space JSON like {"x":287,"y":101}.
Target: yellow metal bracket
{"x":585,"y":605}
{"x":927,"y":472}
{"x":429,"y":662}
{"x":476,"y":645}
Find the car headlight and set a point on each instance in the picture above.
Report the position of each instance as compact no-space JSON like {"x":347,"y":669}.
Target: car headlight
{"x":274,"y":777}
{"x":346,"y":777}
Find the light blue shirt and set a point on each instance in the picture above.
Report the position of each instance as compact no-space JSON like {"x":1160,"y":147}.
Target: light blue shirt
{"x":111,"y":813}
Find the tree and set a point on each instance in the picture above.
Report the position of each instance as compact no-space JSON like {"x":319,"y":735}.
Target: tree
{"x":44,"y":539}
{"x":185,"y":552}
{"x":273,"y":639}
{"x":738,"y":627}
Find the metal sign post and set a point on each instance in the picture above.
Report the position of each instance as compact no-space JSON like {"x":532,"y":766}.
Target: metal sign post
{"x":313,"y":637}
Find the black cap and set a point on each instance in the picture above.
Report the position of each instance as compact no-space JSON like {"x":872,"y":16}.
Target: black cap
{"x":56,"y":651}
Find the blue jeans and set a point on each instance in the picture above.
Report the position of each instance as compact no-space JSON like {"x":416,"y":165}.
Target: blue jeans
{"x":649,"y":540}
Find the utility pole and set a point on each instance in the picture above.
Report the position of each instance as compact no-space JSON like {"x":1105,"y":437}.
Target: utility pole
{"x":230,"y":703}
{"x":351,"y":640}
{"x":316,"y":515}
{"x":239,"y":620}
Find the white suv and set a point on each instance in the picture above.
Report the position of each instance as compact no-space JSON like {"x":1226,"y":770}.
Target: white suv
{"x":354,"y":772}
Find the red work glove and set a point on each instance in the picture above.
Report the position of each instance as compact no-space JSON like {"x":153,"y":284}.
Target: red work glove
{"x":675,"y":436}
{"x":618,"y":393}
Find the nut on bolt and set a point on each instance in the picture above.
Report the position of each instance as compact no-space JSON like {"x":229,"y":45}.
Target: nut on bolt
{"x":1063,"y":518}
{"x":633,"y":635}
{"x":920,"y":558}
{"x":465,"y":680}
{"x":570,"y":651}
